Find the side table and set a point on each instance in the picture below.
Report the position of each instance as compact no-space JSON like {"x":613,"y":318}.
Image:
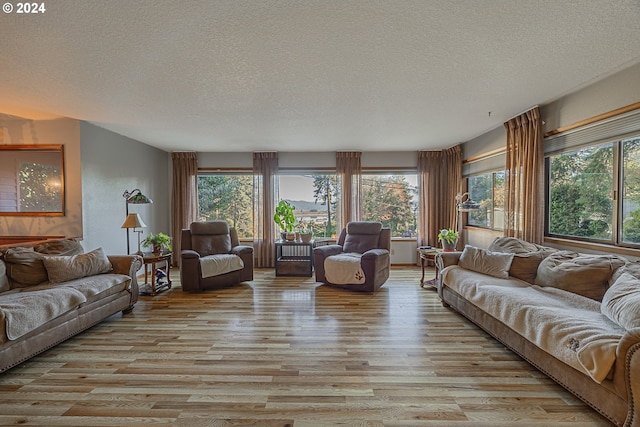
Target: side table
{"x":294,"y":258}
{"x":428,"y":255}
{"x":152,"y":263}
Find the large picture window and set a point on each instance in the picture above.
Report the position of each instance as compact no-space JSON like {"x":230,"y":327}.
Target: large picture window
{"x":315,"y":196}
{"x":582,"y":189}
{"x":391,"y":198}
{"x":229,"y":197}
{"x":488,"y":190}
{"x":581,"y":185}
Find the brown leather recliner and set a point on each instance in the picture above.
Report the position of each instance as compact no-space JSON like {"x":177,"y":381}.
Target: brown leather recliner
{"x":361,"y":237}
{"x":207,"y":238}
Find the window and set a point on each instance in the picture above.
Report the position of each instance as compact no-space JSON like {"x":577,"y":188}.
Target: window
{"x":631,"y":191}
{"x":488,"y":190}
{"x":580,"y":193}
{"x":391,"y":198}
{"x":229,"y":197}
{"x":315,"y":196}
{"x":581,"y":189}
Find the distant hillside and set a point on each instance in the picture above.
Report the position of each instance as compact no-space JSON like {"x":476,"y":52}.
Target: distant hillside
{"x":305,"y":206}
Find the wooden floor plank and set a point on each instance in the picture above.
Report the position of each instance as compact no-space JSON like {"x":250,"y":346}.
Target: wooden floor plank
{"x":287,"y":352}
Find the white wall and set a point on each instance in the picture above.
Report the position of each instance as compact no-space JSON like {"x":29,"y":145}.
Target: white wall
{"x":111,"y":165}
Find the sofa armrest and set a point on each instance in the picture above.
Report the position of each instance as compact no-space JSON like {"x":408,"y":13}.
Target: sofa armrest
{"x":445,"y":259}
{"x":628,"y":365}
{"x":242,"y":249}
{"x":372,"y":254}
{"x":189,"y":254}
{"x":128,"y":265}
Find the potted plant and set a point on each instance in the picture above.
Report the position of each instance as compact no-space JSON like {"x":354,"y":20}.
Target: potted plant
{"x":285,"y":219}
{"x":305,"y":231}
{"x":449,"y":238}
{"x":159,"y":242}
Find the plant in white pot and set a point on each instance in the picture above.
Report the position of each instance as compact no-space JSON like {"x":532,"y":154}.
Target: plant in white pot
{"x":449,"y":238}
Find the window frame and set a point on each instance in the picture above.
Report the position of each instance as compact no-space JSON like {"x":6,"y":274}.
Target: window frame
{"x":493,"y":173}
{"x":617,"y":192}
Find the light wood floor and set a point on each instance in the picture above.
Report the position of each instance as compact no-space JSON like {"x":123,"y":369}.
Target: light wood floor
{"x":287,"y":352}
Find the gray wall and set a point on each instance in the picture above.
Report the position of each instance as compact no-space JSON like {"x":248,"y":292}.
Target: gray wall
{"x":111,"y":165}
{"x":616,"y":91}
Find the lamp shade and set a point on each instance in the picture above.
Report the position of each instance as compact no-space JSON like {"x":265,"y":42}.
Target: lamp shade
{"x":133,"y":221}
{"x":135,"y":197}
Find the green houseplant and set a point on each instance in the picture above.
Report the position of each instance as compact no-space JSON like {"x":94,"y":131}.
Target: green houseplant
{"x":449,"y":238}
{"x":159,"y":242}
{"x":285,"y":218}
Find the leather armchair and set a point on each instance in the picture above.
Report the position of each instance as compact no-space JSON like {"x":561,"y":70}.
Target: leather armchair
{"x":362,"y":237}
{"x":208,"y":238}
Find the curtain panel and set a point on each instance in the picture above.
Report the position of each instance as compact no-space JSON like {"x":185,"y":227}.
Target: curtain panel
{"x":184,"y":207}
{"x":439,"y":180}
{"x":265,"y":173}
{"x":349,"y":171}
{"x":524,"y":203}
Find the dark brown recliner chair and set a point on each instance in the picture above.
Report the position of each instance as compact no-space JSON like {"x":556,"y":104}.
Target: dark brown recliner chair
{"x":208,"y":240}
{"x":363,"y":237}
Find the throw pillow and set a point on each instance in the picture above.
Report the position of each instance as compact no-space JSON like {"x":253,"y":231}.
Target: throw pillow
{"x":65,"y":268}
{"x":24,"y":267}
{"x":527,"y":256}
{"x":4,"y":280}
{"x":621,"y":302}
{"x":584,"y":274}
{"x":60,"y":247}
{"x":494,"y":264}
{"x":631,"y":267}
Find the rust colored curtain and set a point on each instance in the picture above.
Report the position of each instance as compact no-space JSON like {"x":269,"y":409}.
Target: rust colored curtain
{"x":184,"y":207}
{"x":265,"y":173}
{"x":349,"y":170}
{"x":524,"y":203}
{"x":439,"y":179}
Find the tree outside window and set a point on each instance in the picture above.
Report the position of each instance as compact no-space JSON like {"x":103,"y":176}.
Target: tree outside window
{"x":580,"y":193}
{"x":392,"y":200}
{"x":227,"y":197}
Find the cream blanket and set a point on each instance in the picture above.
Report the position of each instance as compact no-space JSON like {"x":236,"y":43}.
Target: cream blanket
{"x":568,"y":326}
{"x":344,"y":269}
{"x":25,"y":311}
{"x":215,"y":265}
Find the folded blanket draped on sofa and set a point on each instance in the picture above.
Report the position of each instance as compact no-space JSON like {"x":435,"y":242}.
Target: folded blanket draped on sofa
{"x":25,"y":311}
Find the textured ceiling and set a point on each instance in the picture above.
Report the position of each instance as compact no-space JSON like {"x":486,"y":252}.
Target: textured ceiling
{"x":303,"y":75}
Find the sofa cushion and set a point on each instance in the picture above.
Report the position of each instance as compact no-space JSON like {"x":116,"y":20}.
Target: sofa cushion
{"x":494,"y":264}
{"x":621,"y":302}
{"x":631,"y":267}
{"x":4,"y":280}
{"x":25,"y":267}
{"x":210,"y":237}
{"x":583,"y":274}
{"x":527,"y":256}
{"x":64,"y":268}
{"x":362,"y":236}
{"x":64,"y":247}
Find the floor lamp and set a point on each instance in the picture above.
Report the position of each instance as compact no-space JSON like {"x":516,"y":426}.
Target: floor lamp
{"x":134,"y":197}
{"x":464,"y":204}
{"x":134,"y":221}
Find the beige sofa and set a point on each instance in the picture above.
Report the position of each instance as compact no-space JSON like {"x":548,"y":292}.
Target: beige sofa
{"x":575,"y":317}
{"x":51,"y":291}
